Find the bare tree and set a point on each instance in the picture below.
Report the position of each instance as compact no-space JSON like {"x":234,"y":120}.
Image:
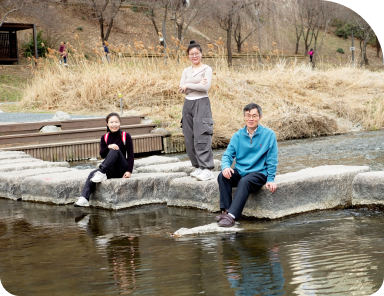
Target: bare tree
{"x":10,"y":7}
{"x":295,"y":14}
{"x":366,"y":33}
{"x":378,"y":47}
{"x":105,"y":11}
{"x":224,"y":13}
{"x":244,"y":26}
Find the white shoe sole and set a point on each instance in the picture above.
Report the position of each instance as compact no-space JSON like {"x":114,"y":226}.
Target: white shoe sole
{"x":210,"y":178}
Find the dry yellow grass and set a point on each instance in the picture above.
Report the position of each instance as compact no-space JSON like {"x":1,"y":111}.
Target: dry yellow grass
{"x":296,"y":101}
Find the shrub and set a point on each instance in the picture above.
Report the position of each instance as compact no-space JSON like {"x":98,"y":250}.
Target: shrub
{"x":135,"y":8}
{"x":79,"y":28}
{"x":42,"y":45}
{"x":340,"y":50}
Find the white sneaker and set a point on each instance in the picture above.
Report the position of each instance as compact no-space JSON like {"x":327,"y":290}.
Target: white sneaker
{"x":98,"y":177}
{"x":205,"y":175}
{"x":196,"y":172}
{"x":82,"y":202}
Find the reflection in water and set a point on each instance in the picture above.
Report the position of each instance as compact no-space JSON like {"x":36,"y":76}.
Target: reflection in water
{"x":52,"y":250}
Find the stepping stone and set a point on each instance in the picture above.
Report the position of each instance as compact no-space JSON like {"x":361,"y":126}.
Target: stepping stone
{"x":154,"y":160}
{"x":10,"y":182}
{"x":368,"y":189}
{"x":140,"y":189}
{"x":319,"y":188}
{"x":206,"y":229}
{"x":184,"y":166}
{"x":189,"y":192}
{"x":18,"y":160}
{"x":31,"y":165}
{"x":58,"y":188}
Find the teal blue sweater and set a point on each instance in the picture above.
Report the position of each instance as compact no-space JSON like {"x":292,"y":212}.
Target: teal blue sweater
{"x":256,"y":155}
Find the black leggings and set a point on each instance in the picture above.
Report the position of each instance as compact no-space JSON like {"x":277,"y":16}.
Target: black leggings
{"x":114,"y":165}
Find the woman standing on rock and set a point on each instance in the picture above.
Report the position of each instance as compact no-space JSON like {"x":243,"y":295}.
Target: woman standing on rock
{"x":197,"y":115}
{"x":117,"y":149}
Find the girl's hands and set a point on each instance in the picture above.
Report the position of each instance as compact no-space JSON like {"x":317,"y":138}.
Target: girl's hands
{"x":113,"y":146}
{"x":127,"y":175}
{"x":183,"y":88}
{"x":204,"y":81}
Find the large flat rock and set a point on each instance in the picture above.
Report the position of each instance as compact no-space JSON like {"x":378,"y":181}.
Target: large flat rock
{"x":10,"y":182}
{"x":319,"y":188}
{"x":58,"y":188}
{"x":154,"y":160}
{"x":182,"y":166}
{"x":189,"y":192}
{"x":31,"y":165}
{"x":368,"y":189}
{"x":140,"y":189}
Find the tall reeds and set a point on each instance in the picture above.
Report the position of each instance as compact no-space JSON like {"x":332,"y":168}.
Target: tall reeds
{"x":296,"y":100}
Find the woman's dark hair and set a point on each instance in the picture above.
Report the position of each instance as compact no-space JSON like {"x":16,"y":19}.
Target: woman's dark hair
{"x":311,"y":49}
{"x":193,"y":44}
{"x":111,"y":115}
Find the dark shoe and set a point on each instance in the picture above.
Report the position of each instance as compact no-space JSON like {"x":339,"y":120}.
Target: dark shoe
{"x":226,"y":221}
{"x":219,"y":217}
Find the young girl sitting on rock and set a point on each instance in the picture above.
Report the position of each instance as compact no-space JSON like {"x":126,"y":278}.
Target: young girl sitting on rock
{"x":117,"y":149}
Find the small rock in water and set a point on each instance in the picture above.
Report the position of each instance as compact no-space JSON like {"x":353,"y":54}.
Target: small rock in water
{"x":60,"y":115}
{"x":50,"y":129}
{"x":1,"y":111}
{"x":209,"y":228}
{"x":160,"y":130}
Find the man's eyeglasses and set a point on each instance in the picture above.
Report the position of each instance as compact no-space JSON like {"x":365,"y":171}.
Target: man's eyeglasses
{"x":248,"y":116}
{"x":194,"y":55}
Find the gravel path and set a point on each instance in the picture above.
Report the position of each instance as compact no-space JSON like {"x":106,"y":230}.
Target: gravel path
{"x":30,"y":117}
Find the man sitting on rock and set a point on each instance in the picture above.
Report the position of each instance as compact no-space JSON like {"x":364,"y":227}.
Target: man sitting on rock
{"x":255,"y":150}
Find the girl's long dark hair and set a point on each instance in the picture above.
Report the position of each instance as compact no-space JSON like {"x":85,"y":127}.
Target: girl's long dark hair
{"x":109,"y":116}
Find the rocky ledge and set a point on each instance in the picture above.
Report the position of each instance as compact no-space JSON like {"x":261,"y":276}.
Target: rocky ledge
{"x":165,"y":180}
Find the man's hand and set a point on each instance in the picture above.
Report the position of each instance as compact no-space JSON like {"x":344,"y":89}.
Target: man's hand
{"x":271,"y":186}
{"x":227,"y":173}
{"x":113,"y":146}
{"x":127,"y":175}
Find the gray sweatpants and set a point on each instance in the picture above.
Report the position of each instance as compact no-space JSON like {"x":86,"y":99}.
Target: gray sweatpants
{"x":198,"y":131}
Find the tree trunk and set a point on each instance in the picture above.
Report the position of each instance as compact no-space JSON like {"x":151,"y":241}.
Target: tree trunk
{"x":101,"y":23}
{"x":298,"y":37}
{"x":378,"y":47}
{"x":109,"y":30}
{"x":229,"y":39}
{"x":180,"y":26}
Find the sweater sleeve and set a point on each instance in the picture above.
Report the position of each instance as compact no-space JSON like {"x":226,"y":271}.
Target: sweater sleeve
{"x":129,"y":147}
{"x":103,"y":148}
{"x":229,"y":154}
{"x":203,"y":87}
{"x":183,"y":77}
{"x":271,"y":160}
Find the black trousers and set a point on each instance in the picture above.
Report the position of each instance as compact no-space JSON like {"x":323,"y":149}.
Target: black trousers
{"x":245,"y":186}
{"x":114,"y":165}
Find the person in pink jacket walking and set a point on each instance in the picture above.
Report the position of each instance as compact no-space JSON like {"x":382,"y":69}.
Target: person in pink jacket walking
{"x":310,"y":55}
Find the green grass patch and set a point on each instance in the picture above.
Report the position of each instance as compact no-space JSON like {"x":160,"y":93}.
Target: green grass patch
{"x":11,"y":88}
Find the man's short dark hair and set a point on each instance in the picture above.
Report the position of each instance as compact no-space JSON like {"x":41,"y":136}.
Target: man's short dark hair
{"x":251,"y":106}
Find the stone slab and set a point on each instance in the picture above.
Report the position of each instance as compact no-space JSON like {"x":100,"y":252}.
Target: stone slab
{"x":18,"y":160}
{"x":206,"y":229}
{"x":4,"y":156}
{"x":58,"y":188}
{"x":154,"y":160}
{"x":31,"y":165}
{"x":183,"y":166}
{"x":2,"y":152}
{"x":319,"y":188}
{"x":189,"y":192}
{"x":140,"y":189}
{"x":10,"y":183}
{"x":368,"y":189}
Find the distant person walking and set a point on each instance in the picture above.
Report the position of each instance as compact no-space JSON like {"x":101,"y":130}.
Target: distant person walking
{"x":310,"y":55}
{"x":197,"y":119}
{"x":106,"y":51}
{"x":117,"y":149}
{"x":63,"y":53}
